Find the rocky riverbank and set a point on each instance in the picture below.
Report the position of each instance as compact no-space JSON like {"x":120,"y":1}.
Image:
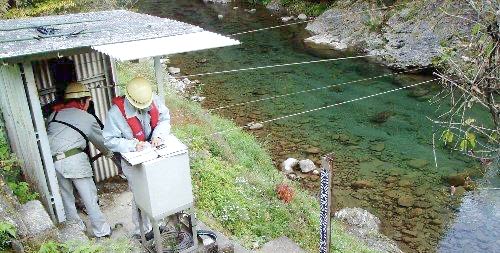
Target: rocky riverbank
{"x":404,"y":36}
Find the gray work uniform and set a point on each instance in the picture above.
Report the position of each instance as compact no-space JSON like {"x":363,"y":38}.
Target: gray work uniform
{"x":76,"y":169}
{"x":118,"y":137}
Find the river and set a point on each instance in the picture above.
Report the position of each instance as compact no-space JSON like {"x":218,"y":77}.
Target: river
{"x":383,"y":144}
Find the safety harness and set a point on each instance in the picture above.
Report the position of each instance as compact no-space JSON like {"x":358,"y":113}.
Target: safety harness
{"x":134,"y":123}
{"x":73,"y":151}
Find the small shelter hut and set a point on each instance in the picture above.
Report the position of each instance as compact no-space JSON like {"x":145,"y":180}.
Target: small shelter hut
{"x":39,"y":56}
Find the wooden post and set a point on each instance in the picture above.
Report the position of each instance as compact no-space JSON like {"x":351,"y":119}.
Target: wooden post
{"x":159,"y":78}
{"x":325,"y":204}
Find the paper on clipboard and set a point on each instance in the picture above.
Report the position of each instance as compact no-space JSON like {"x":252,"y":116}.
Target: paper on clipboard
{"x":171,"y":146}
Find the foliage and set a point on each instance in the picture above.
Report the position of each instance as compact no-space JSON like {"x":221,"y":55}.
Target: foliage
{"x":50,"y":247}
{"x":7,"y":233}
{"x":46,"y":7}
{"x":310,"y":8}
{"x":469,"y":71}
{"x":4,"y":6}
{"x":11,"y":171}
{"x":22,"y":191}
{"x":40,"y":8}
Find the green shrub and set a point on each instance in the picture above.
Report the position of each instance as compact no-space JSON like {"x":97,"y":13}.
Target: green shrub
{"x":22,"y":191}
{"x":7,"y":233}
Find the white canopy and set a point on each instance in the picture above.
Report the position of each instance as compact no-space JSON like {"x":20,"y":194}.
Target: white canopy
{"x":133,"y":50}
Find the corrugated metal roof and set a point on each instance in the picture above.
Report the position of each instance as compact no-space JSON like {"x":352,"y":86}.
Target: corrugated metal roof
{"x":165,"y":45}
{"x":20,"y":37}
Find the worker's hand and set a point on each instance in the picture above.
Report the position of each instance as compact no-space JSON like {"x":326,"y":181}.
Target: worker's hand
{"x":109,"y":154}
{"x":156,"y":141}
{"x":140,"y":146}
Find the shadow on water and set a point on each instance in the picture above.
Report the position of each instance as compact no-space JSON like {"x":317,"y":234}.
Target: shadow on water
{"x":383,"y":145}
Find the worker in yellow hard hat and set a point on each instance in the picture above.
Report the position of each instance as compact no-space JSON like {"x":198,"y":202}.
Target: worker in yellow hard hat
{"x":135,"y":121}
{"x":70,"y":128}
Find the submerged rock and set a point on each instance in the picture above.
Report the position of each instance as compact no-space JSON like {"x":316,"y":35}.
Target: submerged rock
{"x":417,"y":163}
{"x":406,"y":201}
{"x":458,"y":179}
{"x":381,"y":117}
{"x":313,"y":150}
{"x":378,"y":147}
{"x":361,"y":184}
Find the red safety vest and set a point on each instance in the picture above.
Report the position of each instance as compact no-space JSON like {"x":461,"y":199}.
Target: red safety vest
{"x":134,"y":122}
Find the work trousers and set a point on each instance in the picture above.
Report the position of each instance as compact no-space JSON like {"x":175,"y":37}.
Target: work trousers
{"x":88,"y":192}
{"x":135,"y":213}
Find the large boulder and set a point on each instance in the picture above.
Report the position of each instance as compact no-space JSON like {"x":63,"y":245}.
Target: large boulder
{"x":37,"y":221}
{"x":307,"y":166}
{"x":365,"y":226}
{"x":404,"y":37}
{"x":288,"y":165}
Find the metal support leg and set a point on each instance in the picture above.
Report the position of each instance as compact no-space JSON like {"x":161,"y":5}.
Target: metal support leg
{"x":158,"y":240}
{"x":141,"y":228}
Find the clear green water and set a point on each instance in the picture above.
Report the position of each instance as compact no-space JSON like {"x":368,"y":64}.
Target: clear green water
{"x":346,"y":130}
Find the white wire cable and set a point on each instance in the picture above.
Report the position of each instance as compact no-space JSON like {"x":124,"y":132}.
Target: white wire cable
{"x":316,"y":109}
{"x":307,"y":21}
{"x":276,"y":65}
{"x":313,"y":89}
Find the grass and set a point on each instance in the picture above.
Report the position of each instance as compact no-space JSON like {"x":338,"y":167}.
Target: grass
{"x":235,"y":180}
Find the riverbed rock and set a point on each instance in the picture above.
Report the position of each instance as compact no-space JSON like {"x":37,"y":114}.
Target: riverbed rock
{"x":417,"y":163}
{"x":457,"y":179}
{"x":197,"y":98}
{"x":404,"y":183}
{"x":361,"y":184}
{"x":218,"y":1}
{"x":365,"y":226}
{"x":307,"y":166}
{"x":302,"y":16}
{"x":288,"y":165}
{"x":255,"y":126}
{"x":313,"y":150}
{"x":378,"y":147}
{"x":459,"y":191}
{"x":274,"y":5}
{"x":381,"y":117}
{"x":406,"y":201}
{"x":174,"y":70}
{"x":286,"y":19}
{"x":220,"y":16}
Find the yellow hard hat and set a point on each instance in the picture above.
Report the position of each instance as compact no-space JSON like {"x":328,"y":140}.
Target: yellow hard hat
{"x":76,"y":90}
{"x":139,"y":92}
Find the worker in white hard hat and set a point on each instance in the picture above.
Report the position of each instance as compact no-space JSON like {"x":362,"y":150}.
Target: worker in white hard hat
{"x":70,"y":128}
{"x":135,"y":121}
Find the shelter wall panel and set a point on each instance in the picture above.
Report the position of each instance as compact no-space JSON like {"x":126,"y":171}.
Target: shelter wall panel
{"x":21,"y":131}
{"x":93,"y":73}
